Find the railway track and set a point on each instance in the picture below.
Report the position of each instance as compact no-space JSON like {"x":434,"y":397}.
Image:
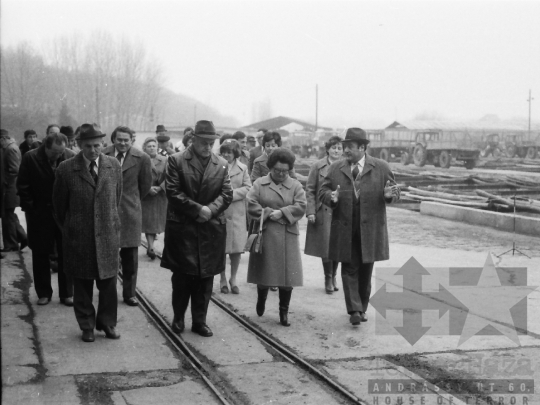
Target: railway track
{"x":205,"y":371}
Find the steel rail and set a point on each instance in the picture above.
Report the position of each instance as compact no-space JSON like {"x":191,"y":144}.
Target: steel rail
{"x":175,"y":341}
{"x":288,"y":354}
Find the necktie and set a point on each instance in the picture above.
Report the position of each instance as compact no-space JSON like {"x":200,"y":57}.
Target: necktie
{"x":92,"y":171}
{"x":120,"y":156}
{"x":355,"y":172}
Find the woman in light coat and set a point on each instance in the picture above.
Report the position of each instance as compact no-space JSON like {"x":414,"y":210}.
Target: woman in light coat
{"x":281,"y":201}
{"x":154,"y":205}
{"x":319,"y":215}
{"x":236,"y":213}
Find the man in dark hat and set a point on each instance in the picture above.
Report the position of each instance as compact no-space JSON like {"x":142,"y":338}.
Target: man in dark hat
{"x":35,"y":188}
{"x":137,"y":180}
{"x":86,"y":200}
{"x":30,"y":137}
{"x":13,"y":233}
{"x":164,"y":149}
{"x":198,"y":189}
{"x":358,"y":189}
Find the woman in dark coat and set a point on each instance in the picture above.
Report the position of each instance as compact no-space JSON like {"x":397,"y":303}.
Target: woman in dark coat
{"x":282,"y":202}
{"x":319,"y":215}
{"x":154,"y":205}
{"x":236,"y":213}
{"x":271,"y":141}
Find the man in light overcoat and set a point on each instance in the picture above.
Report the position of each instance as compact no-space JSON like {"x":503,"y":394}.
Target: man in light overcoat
{"x":86,"y":197}
{"x":35,"y":188}
{"x":137,"y":180}
{"x":358,"y":189}
{"x":199,"y":190}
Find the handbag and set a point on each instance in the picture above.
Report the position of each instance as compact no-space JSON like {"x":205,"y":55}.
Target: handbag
{"x":254,"y":241}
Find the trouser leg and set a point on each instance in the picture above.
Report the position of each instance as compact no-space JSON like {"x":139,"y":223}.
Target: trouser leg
{"x":350,"y":276}
{"x":82,"y":303}
{"x":130,"y":262}
{"x":334,"y":273}
{"x":364,"y":284}
{"x":108,"y":302}
{"x":65,"y":281}
{"x":180,"y":294}
{"x":41,"y":273}
{"x":10,"y":229}
{"x":200,"y":298}
{"x":328,"y":285}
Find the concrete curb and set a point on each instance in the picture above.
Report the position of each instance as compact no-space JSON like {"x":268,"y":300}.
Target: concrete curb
{"x":497,"y":220}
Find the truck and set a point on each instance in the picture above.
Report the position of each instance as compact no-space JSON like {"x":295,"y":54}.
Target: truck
{"x":523,"y":144}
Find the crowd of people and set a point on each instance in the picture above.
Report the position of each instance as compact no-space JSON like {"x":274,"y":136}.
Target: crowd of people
{"x":86,"y":205}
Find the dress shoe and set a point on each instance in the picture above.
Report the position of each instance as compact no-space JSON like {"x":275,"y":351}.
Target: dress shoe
{"x":178,"y":326}
{"x":110,"y":332}
{"x":151,"y":254}
{"x":235,"y":289}
{"x":43,"y":301}
{"x":355,"y":318}
{"x":201,"y":329}
{"x":88,"y":335}
{"x":68,"y":302}
{"x":363,"y":317}
{"x":224,"y":289}
{"x":24,"y":244}
{"x":132,"y":302}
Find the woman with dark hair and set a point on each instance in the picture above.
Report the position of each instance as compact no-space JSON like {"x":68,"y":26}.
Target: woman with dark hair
{"x":236,"y":213}
{"x":270,"y":141}
{"x":154,"y":204}
{"x":319,"y":215}
{"x":281,"y":201}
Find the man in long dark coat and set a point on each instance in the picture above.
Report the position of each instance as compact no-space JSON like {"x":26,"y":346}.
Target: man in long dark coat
{"x":86,"y":197}
{"x":13,"y":233}
{"x":137,"y":180}
{"x":199,"y":189}
{"x":35,"y":188}
{"x":358,"y":189}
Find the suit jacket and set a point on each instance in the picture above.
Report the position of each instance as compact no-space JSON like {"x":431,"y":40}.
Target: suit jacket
{"x":12,"y":161}
{"x":35,"y":187}
{"x":137,"y":180}
{"x":88,"y":215}
{"x":254,"y":153}
{"x":192,"y":247}
{"x":373,"y":231}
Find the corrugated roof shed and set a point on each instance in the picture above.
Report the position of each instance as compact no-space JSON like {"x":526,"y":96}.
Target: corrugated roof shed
{"x":279,"y":122}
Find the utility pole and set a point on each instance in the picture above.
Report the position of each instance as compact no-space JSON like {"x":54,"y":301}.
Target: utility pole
{"x":97,"y":105}
{"x":530,"y":102}
{"x":316,"y":107}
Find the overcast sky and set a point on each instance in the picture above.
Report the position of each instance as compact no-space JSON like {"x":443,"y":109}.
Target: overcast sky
{"x":373,"y":61}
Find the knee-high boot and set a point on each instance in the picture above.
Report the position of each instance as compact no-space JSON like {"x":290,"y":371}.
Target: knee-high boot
{"x":262,"y":293}
{"x":284,"y":300}
{"x":328,"y":286}
{"x":334,"y":271}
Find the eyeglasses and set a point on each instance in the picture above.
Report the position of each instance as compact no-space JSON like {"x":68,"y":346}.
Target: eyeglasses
{"x":278,"y":171}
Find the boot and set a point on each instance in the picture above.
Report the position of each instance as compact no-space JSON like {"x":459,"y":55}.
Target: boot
{"x":284,"y":300}
{"x":328,"y":286}
{"x":334,"y":271}
{"x":262,"y":293}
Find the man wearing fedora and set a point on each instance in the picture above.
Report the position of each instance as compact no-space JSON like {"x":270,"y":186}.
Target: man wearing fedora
{"x":358,"y":189}
{"x":199,"y":190}
{"x":136,"y":182}
{"x":86,"y":198}
{"x":164,"y":149}
{"x":35,"y":188}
